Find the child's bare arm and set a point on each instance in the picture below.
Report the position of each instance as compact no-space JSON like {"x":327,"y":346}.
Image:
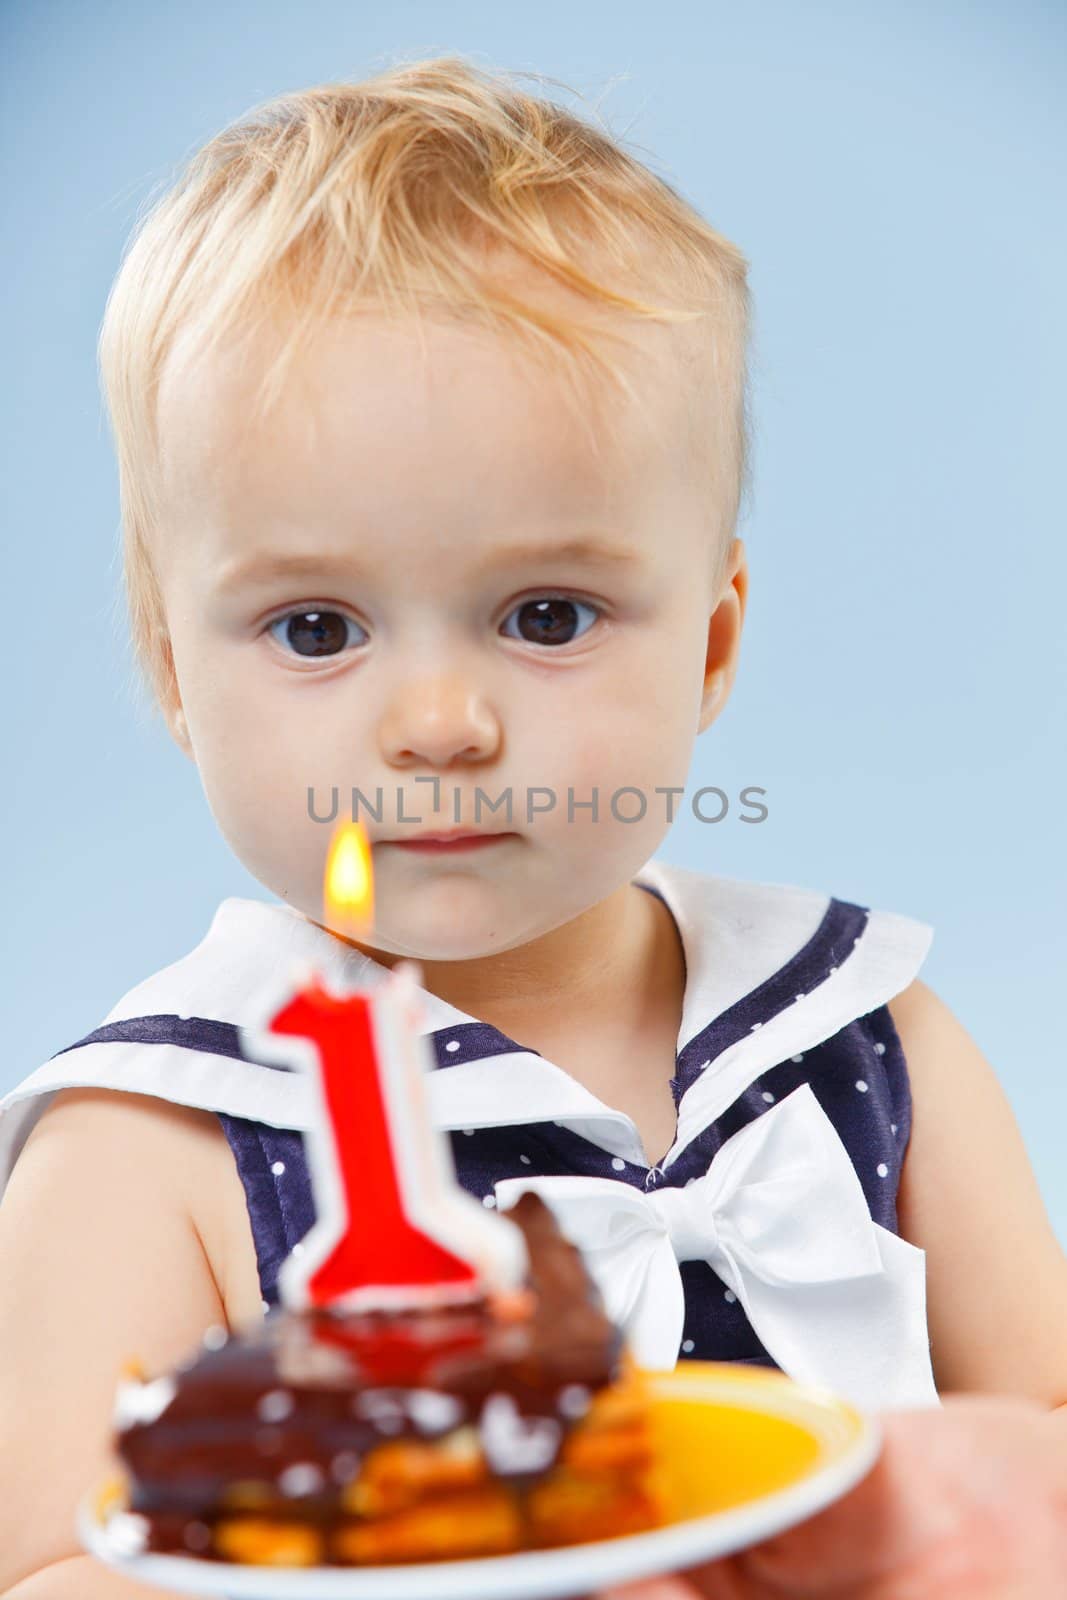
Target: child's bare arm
{"x":996,"y":1273}
{"x":100,"y":1262}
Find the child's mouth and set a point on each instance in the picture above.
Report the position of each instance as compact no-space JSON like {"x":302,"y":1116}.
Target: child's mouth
{"x":445,"y":843}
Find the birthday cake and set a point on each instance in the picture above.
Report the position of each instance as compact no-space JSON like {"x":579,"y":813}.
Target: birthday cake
{"x":339,"y":1438}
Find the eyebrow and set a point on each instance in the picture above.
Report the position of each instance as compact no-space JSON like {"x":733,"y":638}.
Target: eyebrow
{"x":585,"y":550}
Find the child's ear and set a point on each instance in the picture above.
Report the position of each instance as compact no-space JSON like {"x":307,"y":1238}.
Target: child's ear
{"x":178,"y":728}
{"x":174,"y":716}
{"x":170,"y":703}
{"x":724,"y":636}
{"x":180,"y":732}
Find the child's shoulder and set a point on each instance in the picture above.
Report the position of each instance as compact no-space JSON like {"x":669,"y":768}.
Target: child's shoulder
{"x":168,"y":1157}
{"x":119,"y":1135}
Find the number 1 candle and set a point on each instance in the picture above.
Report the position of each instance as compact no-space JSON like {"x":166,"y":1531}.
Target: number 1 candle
{"x":393,"y":1226}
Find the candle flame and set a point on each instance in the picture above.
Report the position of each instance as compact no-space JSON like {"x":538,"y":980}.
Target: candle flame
{"x":348,"y":885}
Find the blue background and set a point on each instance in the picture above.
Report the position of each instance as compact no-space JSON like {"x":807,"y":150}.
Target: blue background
{"x":893,"y":172}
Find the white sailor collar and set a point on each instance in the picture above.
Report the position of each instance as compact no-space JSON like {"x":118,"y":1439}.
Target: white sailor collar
{"x":748,"y":946}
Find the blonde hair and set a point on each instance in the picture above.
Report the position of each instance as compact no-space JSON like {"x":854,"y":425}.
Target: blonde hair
{"x":402,"y":193}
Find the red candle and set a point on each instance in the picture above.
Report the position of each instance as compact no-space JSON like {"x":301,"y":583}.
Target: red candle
{"x":393,"y":1226}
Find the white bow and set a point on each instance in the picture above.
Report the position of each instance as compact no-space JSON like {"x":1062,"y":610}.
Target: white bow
{"x":780,"y":1214}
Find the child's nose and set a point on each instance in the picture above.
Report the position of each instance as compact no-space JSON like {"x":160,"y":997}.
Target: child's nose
{"x":438,"y":719}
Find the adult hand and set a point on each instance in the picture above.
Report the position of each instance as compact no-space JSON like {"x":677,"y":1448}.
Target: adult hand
{"x":966,"y":1502}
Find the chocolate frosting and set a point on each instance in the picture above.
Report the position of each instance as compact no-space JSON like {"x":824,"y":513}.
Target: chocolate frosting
{"x":299,"y":1400}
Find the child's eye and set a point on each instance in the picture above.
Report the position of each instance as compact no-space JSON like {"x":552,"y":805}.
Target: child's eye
{"x":550,"y":620}
{"x":313,"y":633}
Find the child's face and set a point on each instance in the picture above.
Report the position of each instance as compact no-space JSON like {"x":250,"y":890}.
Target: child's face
{"x":402,"y":490}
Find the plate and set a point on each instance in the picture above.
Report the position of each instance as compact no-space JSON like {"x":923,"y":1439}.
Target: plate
{"x":742,"y":1453}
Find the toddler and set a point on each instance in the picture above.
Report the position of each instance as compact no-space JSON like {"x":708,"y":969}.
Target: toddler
{"x":430,"y":409}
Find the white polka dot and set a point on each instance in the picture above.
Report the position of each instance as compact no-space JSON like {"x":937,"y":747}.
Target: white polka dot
{"x":215,"y":1337}
{"x":266,"y":1306}
{"x":275,"y":1405}
{"x":798,"y":997}
{"x":892,"y":1127}
{"x":833,"y":969}
{"x":704,"y":1064}
{"x":303,"y":1477}
{"x":489,"y":1201}
{"x":687,"y":1345}
{"x":861,"y":1086}
{"x":525,"y":1160}
{"x":880,"y":1048}
{"x":797,"y":1058}
{"x":728,"y":1294}
{"x":618,"y":1163}
{"x":768,"y":1096}
{"x":453,"y":1044}
{"x":882,"y":1170}
{"x":754,"y":1026}
{"x":277,"y":1167}
{"x":430,"y":1411}
{"x":298,"y":1249}
{"x":574,"y":1400}
{"x":468,"y":1133}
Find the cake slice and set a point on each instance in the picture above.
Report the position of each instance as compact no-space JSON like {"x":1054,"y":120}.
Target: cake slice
{"x":327,"y":1437}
